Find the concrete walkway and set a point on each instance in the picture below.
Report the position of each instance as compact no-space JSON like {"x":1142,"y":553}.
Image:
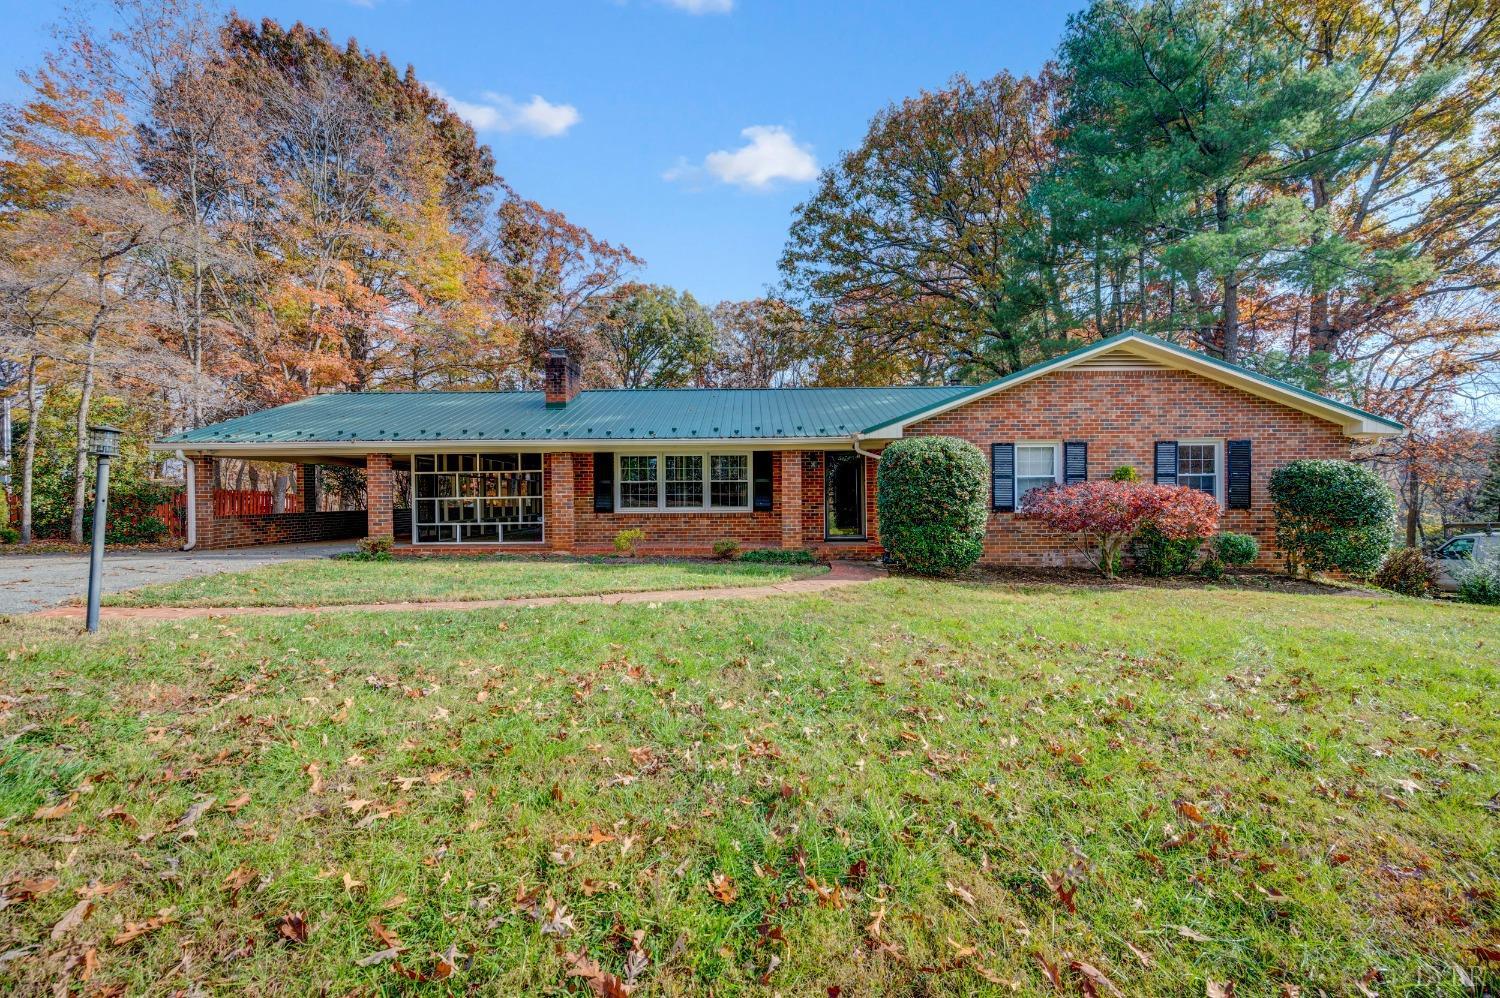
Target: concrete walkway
{"x":839,"y":575}
{"x":30,"y":582}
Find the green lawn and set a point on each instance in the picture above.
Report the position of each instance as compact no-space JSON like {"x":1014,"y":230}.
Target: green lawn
{"x":899,"y":788}
{"x":331,"y":582}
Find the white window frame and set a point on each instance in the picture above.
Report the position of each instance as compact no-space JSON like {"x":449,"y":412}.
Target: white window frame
{"x":1220,"y":472}
{"x":706,"y":456}
{"x":459,"y":540}
{"x":1015,"y":464}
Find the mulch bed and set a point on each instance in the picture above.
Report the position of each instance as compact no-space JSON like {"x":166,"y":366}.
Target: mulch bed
{"x":68,"y":547}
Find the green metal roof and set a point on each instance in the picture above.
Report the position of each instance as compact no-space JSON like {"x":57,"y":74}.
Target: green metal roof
{"x":667,"y":414}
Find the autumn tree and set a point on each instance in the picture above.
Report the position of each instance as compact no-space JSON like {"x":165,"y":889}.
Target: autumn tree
{"x":549,"y":277}
{"x":760,"y":343}
{"x":921,"y":255}
{"x":651,"y":336}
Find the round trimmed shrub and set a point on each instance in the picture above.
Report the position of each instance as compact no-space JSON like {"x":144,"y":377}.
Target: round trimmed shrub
{"x":1332,"y":516}
{"x":933,"y":501}
{"x":1234,"y":549}
{"x":1156,"y":554}
{"x":1406,"y":571}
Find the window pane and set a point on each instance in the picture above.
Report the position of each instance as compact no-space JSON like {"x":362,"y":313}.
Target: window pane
{"x":684,"y":481}
{"x":1196,"y":469}
{"x":731,"y":494}
{"x":523,"y":533}
{"x":638,"y":481}
{"x":531,"y":462}
{"x":424,"y":462}
{"x":1025,"y":485}
{"x":1036,"y":462}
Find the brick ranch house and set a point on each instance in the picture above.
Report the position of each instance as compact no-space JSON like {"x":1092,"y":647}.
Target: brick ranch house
{"x":564,"y":470}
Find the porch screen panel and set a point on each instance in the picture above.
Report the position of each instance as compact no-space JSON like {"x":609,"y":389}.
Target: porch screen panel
{"x":477,"y":498}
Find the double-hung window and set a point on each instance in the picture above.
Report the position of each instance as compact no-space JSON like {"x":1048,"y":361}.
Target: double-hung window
{"x":1036,"y":468}
{"x":1198,"y":466}
{"x":639,"y":481}
{"x":671,"y":481}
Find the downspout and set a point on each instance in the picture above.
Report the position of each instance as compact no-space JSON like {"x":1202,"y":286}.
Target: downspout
{"x":190,"y":501}
{"x":854,"y":439}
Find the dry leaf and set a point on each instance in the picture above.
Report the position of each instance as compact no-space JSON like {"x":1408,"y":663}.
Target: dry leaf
{"x":60,"y":810}
{"x":378,"y":957}
{"x":1095,"y":976}
{"x":293,"y":927}
{"x":1214,"y":989}
{"x":1050,"y":972}
{"x":1187,"y":933}
{"x":723,"y":889}
{"x":311,"y":769}
{"x":72,"y":919}
{"x":134,"y":930}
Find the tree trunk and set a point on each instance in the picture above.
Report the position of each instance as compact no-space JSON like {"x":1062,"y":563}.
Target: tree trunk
{"x":279,"y":482}
{"x":1322,"y":336}
{"x":1413,"y":508}
{"x":1230,"y":341}
{"x":34,"y":403}
{"x":81,"y":456}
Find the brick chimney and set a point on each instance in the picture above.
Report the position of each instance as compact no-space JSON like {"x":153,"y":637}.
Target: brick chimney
{"x":563,"y":378}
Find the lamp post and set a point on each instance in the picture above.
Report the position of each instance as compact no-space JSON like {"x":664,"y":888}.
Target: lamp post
{"x":104,"y":443}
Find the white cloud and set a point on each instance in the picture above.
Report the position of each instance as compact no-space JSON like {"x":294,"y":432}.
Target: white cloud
{"x":769,"y":155}
{"x":702,"y":6}
{"x":501,"y":113}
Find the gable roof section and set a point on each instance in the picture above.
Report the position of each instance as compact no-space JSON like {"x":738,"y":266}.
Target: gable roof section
{"x":1135,"y":351}
{"x":597,"y":417}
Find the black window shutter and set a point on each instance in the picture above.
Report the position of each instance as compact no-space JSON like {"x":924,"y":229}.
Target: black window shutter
{"x":604,"y":481}
{"x":1075,"y":461}
{"x":760,"y":474}
{"x":1237,"y":457}
{"x":1003,"y":477}
{"x":1166,"y":462}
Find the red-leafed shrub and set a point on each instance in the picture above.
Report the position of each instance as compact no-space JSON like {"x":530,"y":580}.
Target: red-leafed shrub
{"x":1102,"y":515}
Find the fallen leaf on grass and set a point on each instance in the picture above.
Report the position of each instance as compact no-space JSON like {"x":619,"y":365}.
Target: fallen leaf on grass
{"x":723,"y":889}
{"x":380,"y":956}
{"x":72,"y":919}
{"x":384,"y":935}
{"x":1195,"y":936}
{"x":193,"y":813}
{"x":959,"y":892}
{"x":1214,"y":989}
{"x":29,"y":889}
{"x":59,"y":810}
{"x":600,"y":981}
{"x":1140,"y":954}
{"x":98,"y":890}
{"x":134,"y":930}
{"x":118,"y":813}
{"x":233,"y":806}
{"x":237,"y":879}
{"x":293,"y":927}
{"x":311,"y":769}
{"x":1050,"y":972}
{"x":1094,"y":976}
{"x":1060,"y":887}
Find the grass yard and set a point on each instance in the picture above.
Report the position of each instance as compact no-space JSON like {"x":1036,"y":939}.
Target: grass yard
{"x":901,"y":788}
{"x":332,"y":582}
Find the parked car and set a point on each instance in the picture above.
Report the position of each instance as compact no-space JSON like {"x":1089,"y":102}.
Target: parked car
{"x":1455,"y":551}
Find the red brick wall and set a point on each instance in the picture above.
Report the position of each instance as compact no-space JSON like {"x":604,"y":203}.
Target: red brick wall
{"x":671,"y":533}
{"x":1122,"y":414}
{"x":380,"y":485}
{"x":275,"y":528}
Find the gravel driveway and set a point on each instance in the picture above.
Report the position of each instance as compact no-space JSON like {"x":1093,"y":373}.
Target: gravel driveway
{"x":37,"y":582}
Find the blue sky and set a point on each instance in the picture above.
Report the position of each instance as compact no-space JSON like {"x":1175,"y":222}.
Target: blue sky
{"x":685,"y":129}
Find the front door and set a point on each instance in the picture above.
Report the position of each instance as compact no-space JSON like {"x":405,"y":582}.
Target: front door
{"x":843,"y":496}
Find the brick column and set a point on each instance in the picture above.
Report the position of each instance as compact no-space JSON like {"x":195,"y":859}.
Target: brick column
{"x":309,"y":488}
{"x":203,"y":501}
{"x":790,"y":499}
{"x":558,"y":515}
{"x":379,"y":485}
